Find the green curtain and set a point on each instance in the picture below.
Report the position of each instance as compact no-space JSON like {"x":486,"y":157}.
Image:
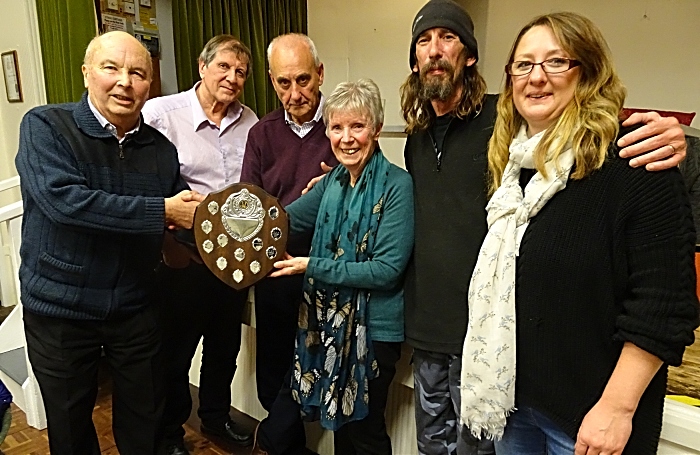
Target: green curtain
{"x":254,"y":22}
{"x":65,"y":29}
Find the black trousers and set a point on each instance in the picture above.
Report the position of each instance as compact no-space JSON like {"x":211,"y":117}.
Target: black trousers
{"x":64,"y":354}
{"x":368,"y":436}
{"x":282,"y":432}
{"x":276,"y":319}
{"x":196,"y":304}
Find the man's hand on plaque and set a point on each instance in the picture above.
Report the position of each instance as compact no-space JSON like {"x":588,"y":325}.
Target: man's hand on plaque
{"x":290,"y":266}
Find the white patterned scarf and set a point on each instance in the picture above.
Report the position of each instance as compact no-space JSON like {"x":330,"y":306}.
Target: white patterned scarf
{"x":488,"y":357}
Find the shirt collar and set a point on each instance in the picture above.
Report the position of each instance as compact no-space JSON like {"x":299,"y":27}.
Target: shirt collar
{"x":317,"y":116}
{"x":109,"y":126}
{"x":234,"y":112}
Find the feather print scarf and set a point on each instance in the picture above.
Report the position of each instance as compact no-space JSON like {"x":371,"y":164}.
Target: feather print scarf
{"x":334,"y":359}
{"x":488,"y":357}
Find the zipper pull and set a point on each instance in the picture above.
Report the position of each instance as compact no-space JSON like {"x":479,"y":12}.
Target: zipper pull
{"x":438,"y":156}
{"x":121,"y":152}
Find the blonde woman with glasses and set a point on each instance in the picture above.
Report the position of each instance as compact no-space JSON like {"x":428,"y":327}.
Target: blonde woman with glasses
{"x":586,"y":279}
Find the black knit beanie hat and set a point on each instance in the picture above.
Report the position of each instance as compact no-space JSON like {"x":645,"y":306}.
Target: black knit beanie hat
{"x":446,"y":14}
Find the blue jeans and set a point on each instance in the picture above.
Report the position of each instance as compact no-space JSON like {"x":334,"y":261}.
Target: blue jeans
{"x":528,"y":432}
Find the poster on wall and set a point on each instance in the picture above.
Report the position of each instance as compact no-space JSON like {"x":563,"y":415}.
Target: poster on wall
{"x":132,"y":16}
{"x":112,"y":23}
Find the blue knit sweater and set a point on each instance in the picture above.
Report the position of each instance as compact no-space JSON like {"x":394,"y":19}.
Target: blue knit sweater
{"x":94,"y":212}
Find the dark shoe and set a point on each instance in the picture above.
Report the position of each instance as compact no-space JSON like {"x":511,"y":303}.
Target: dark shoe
{"x":230,"y":432}
{"x":257,"y":450}
{"x":176,"y":449}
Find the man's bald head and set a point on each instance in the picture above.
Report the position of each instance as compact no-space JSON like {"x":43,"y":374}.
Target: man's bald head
{"x":117,"y":73}
{"x":294,"y":41}
{"x":96,"y":43}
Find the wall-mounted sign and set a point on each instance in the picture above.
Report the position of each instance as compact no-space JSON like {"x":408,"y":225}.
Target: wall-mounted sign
{"x":10,"y":69}
{"x":112,"y":23}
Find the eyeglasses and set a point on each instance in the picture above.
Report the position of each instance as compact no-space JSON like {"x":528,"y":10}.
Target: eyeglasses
{"x":549,"y":66}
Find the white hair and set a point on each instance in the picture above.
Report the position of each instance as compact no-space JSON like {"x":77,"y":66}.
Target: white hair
{"x":361,"y":97}
{"x":300,"y":36}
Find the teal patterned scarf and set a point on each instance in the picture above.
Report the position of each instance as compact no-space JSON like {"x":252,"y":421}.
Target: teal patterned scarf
{"x":334,"y":359}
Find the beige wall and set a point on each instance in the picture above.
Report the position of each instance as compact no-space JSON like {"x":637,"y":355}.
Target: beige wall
{"x":18,"y":32}
{"x":365,"y":38}
{"x":370,"y":38}
{"x":655,"y":43}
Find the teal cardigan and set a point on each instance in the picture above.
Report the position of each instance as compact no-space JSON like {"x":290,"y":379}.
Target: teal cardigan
{"x":383,"y":274}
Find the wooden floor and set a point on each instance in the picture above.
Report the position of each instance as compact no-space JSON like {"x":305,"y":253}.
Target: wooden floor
{"x":25,"y":440}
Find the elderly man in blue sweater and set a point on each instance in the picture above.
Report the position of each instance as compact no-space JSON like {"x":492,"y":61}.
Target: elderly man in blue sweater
{"x":99,"y":189}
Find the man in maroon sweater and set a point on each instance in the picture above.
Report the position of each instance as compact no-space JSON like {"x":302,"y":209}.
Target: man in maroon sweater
{"x":285,"y":150}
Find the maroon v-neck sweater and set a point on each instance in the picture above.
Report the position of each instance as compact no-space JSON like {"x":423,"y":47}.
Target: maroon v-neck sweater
{"x":282,"y":163}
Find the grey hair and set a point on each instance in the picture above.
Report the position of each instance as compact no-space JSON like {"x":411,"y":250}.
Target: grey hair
{"x":226,"y":42}
{"x":360,"y":97}
{"x":310,"y":44}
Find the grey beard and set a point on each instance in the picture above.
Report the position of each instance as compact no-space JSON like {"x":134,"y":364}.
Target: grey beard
{"x":437,"y":89}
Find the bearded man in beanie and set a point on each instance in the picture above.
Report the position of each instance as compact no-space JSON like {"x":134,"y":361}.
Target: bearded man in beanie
{"x":449,"y":121}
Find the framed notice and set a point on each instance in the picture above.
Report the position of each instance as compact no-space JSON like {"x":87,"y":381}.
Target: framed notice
{"x":10,"y":69}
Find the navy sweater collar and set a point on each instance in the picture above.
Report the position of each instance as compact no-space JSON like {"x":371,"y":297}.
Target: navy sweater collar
{"x":88,"y":123}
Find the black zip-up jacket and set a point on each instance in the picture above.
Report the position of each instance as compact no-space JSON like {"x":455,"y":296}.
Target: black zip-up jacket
{"x":450,"y":226}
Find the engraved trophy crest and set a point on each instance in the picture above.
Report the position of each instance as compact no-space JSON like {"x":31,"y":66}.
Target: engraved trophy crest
{"x":242,"y":215}
{"x":240,"y":232}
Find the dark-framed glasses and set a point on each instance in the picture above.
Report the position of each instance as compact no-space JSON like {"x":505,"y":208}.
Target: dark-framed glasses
{"x":549,"y":66}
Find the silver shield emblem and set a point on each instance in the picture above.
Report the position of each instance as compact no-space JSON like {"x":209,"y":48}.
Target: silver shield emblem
{"x":222,"y":240}
{"x":213,"y":207}
{"x":276,"y":233}
{"x":242,"y":215}
{"x":208,"y":246}
{"x":238,"y":275}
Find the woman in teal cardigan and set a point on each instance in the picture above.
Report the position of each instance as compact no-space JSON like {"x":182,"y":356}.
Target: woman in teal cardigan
{"x":351,"y":317}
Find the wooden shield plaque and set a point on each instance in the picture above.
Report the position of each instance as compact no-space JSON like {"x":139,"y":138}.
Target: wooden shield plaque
{"x":240,"y":232}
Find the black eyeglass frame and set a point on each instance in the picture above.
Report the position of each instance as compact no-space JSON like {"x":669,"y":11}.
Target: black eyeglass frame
{"x":573,"y":63}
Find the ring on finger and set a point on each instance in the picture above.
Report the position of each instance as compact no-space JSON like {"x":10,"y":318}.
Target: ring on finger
{"x":672,"y":148}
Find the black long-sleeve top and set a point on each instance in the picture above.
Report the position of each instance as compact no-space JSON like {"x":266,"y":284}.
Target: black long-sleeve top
{"x":609,"y":259}
{"x":450,"y":226}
